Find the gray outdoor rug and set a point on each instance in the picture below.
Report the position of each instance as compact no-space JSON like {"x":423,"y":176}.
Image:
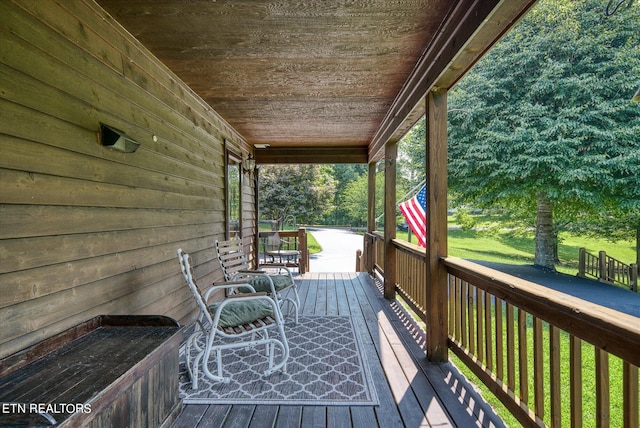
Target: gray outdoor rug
{"x":326,"y":367}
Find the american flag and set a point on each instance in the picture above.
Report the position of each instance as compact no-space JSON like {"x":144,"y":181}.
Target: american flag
{"x":414,"y":210}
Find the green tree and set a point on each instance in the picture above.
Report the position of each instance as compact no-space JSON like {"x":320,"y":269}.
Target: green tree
{"x":344,"y":174}
{"x":544,"y":125}
{"x":354,"y":199}
{"x":303,"y":191}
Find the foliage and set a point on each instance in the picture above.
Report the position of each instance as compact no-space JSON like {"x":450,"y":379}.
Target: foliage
{"x":547,"y":113}
{"x":412,"y":157}
{"x":354,"y":199}
{"x":344,"y":175}
{"x":303,"y":191}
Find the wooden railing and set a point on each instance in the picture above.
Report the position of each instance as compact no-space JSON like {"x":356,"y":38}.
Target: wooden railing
{"x":547,"y":356}
{"x":521,"y":338}
{"x":607,"y":269}
{"x":374,"y":252}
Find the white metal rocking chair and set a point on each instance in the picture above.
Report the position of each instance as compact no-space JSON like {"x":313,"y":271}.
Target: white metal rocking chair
{"x":246,"y":316}
{"x":273,"y":278}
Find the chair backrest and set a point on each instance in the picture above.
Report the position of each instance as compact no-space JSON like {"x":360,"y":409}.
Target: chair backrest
{"x":274,"y":242}
{"x":231,"y":257}
{"x":187,"y":272}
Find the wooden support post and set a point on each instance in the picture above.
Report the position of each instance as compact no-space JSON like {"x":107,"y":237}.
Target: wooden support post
{"x":602,"y":266}
{"x":303,"y":266}
{"x":371,"y":198}
{"x":256,"y":220}
{"x":633,"y":280}
{"x":390,"y":155}
{"x":582,"y":260}
{"x":436,"y":281}
{"x":371,"y":218}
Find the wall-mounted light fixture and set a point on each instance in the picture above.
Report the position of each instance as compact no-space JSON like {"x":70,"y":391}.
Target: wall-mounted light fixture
{"x":117,"y":139}
{"x":249,"y":164}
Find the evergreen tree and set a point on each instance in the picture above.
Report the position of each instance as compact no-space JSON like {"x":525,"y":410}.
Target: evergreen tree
{"x":544,"y":124}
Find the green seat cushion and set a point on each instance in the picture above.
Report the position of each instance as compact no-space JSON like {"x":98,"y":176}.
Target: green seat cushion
{"x":239,"y":313}
{"x":261,"y":283}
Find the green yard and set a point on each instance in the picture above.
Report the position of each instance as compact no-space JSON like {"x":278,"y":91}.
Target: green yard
{"x":503,"y":246}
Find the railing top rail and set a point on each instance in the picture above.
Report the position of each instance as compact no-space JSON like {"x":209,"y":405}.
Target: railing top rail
{"x":608,"y":258}
{"x":613,"y":331}
{"x":408,"y":247}
{"x":282,"y":233}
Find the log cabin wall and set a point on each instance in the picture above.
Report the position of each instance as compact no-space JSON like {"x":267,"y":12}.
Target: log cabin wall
{"x":86,"y":230}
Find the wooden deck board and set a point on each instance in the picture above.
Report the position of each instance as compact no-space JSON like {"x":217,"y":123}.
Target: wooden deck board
{"x":412,"y":392}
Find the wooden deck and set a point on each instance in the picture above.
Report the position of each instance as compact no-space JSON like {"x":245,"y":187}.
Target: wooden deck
{"x":412,"y":392}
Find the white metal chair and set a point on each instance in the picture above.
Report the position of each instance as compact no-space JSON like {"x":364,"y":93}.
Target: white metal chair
{"x":273,"y":278}
{"x":276,"y":248}
{"x":246,"y":317}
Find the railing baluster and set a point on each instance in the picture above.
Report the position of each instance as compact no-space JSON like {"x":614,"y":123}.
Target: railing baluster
{"x":480,"y":324}
{"x":602,"y":388}
{"x":554,"y":376}
{"x":499,"y":341}
{"x":458,"y":307}
{"x":522,"y":356}
{"x":538,"y":368}
{"x":630,"y":392}
{"x":451,"y":284}
{"x":472,"y":327}
{"x":464,"y":300}
{"x":488,"y":330}
{"x":575,"y":379}
{"x":511,"y":366}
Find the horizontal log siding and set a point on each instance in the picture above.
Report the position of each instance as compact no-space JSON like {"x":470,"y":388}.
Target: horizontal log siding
{"x":86,"y":230}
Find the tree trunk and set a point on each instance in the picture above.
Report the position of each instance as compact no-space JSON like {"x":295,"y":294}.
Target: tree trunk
{"x":545,"y":240}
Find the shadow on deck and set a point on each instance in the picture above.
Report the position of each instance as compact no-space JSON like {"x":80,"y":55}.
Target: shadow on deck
{"x":412,"y":391}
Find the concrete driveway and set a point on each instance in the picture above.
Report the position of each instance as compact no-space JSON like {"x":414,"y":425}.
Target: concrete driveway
{"x":338,"y":253}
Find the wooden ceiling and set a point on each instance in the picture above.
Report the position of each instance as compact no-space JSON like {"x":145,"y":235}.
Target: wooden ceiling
{"x":318,"y":80}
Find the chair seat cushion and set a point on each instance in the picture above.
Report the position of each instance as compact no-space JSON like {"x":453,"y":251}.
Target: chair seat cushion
{"x":261,"y":283}
{"x":239,"y":313}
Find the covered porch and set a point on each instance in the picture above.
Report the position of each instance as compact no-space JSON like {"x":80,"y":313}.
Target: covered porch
{"x":209,"y":90}
{"x":412,"y":392}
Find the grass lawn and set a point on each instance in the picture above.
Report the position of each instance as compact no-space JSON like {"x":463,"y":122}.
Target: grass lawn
{"x":518,"y":248}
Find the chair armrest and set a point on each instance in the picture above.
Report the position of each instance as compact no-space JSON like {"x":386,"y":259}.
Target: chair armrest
{"x":240,"y":296}
{"x":281,"y":266}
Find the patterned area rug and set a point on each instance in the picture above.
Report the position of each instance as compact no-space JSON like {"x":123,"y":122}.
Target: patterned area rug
{"x":326,"y":367}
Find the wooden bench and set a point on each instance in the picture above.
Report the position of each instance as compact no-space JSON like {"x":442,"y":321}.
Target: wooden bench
{"x":108,"y":371}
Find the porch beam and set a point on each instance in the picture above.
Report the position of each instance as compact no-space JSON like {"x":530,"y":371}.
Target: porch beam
{"x":436,"y":281}
{"x":391,"y":153}
{"x":312,"y":155}
{"x":371,"y":198}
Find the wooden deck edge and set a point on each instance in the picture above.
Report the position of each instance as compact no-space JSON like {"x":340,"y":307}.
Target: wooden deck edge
{"x":452,"y":388}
